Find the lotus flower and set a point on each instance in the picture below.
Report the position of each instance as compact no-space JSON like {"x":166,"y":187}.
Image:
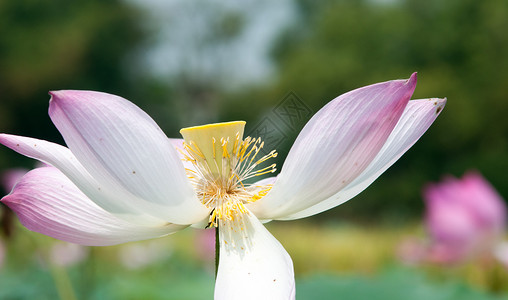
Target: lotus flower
{"x":204,"y":244}
{"x":67,"y":254}
{"x":141,"y":255}
{"x":121,"y":179}
{"x":464,"y":217}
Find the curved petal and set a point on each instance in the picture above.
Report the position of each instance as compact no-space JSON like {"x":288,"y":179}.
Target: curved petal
{"x":415,"y":120}
{"x":117,"y":201}
{"x":252,"y":263}
{"x":49,"y":203}
{"x":336,"y":146}
{"x":121,"y":146}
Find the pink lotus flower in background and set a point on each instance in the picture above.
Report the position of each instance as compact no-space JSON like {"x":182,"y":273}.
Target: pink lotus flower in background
{"x":67,"y":254}
{"x":464,"y":217}
{"x":121,"y":179}
{"x":141,"y":255}
{"x":205,"y":245}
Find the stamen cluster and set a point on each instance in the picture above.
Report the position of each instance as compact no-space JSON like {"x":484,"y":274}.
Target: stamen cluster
{"x":221,"y":187}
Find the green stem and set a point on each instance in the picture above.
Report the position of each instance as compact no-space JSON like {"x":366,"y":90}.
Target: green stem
{"x":63,"y":283}
{"x":60,"y":277}
{"x":217,"y":250}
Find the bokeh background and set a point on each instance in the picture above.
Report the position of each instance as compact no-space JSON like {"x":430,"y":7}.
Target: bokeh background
{"x":196,"y":62}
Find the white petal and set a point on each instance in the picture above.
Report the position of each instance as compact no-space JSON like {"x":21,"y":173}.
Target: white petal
{"x":335,"y":146}
{"x":48,"y":202}
{"x":252,"y":263}
{"x":116,"y":201}
{"x":416,"y":119}
{"x":121,"y":146}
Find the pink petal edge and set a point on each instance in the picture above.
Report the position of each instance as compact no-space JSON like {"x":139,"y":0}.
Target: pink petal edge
{"x":336,"y":146}
{"x":415,"y":121}
{"x":122,"y":147}
{"x":49,"y":203}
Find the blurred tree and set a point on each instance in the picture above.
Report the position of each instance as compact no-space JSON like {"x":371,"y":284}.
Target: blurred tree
{"x":48,"y":45}
{"x":458,"y":48}
{"x":205,"y":47}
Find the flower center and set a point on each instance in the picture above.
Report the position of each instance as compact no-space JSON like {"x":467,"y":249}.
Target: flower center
{"x":221,"y":163}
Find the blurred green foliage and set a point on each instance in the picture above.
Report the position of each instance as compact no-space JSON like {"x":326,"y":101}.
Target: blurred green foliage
{"x":51,"y":45}
{"x":331,"y":261}
{"x":393,"y":284}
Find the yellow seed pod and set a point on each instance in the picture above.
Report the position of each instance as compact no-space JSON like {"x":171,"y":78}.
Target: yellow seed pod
{"x":214,"y":143}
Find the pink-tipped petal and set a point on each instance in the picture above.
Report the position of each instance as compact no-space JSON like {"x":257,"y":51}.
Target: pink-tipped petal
{"x":46,"y":201}
{"x":335,"y":147}
{"x":415,"y":120}
{"x":121,"y":146}
{"x":252,"y":263}
{"x":112,"y":199}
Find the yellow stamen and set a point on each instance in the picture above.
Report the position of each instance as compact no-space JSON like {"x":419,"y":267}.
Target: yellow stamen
{"x":222,"y":162}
